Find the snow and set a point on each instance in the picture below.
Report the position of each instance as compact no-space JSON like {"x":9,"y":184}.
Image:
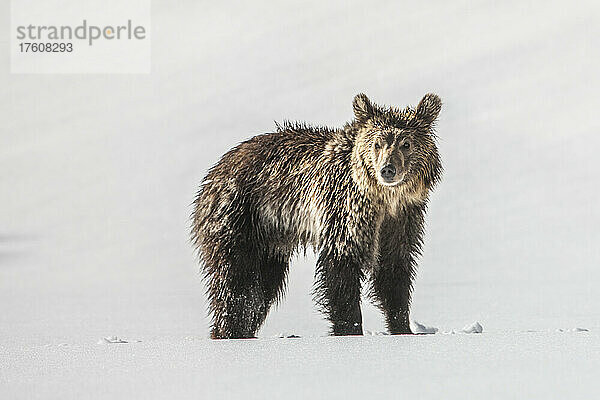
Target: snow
{"x":491,"y":366}
{"x":113,"y":340}
{"x":97,"y":173}
{"x":417,"y":327}
{"x":475,"y":327}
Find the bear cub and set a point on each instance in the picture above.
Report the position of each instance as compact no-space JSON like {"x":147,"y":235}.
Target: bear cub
{"x":357,"y":195}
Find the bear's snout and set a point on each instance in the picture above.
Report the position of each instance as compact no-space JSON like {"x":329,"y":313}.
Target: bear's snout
{"x":388,"y":172}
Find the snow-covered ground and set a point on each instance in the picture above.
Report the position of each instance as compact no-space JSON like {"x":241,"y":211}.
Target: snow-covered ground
{"x":544,"y":365}
{"x":97,"y":173}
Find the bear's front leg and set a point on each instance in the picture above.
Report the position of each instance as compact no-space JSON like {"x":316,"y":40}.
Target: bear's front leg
{"x":400,"y":241}
{"x":392,"y":286}
{"x":340,"y":272}
{"x":338,"y":288}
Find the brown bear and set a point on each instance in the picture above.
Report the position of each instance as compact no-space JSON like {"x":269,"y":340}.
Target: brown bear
{"x":357,"y":195}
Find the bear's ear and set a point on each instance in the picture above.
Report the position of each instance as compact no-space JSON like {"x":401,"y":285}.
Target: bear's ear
{"x":429,"y":107}
{"x":363,"y":109}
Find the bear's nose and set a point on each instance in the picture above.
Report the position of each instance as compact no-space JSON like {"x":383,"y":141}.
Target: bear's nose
{"x":388,"y":171}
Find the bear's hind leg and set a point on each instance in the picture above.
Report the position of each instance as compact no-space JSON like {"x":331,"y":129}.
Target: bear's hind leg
{"x":236,"y":304}
{"x":242,"y":292}
{"x":273,"y":272}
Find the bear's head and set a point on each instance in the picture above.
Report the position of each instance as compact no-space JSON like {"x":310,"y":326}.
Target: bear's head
{"x":396,"y":148}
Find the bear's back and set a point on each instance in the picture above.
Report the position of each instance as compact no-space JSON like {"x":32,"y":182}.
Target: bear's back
{"x":290,"y":178}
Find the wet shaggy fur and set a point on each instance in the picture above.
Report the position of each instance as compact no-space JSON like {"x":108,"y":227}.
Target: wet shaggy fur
{"x":357,"y":195}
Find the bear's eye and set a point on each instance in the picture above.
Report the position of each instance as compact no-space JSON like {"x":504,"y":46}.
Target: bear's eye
{"x":377,"y":146}
{"x":406,"y":145}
